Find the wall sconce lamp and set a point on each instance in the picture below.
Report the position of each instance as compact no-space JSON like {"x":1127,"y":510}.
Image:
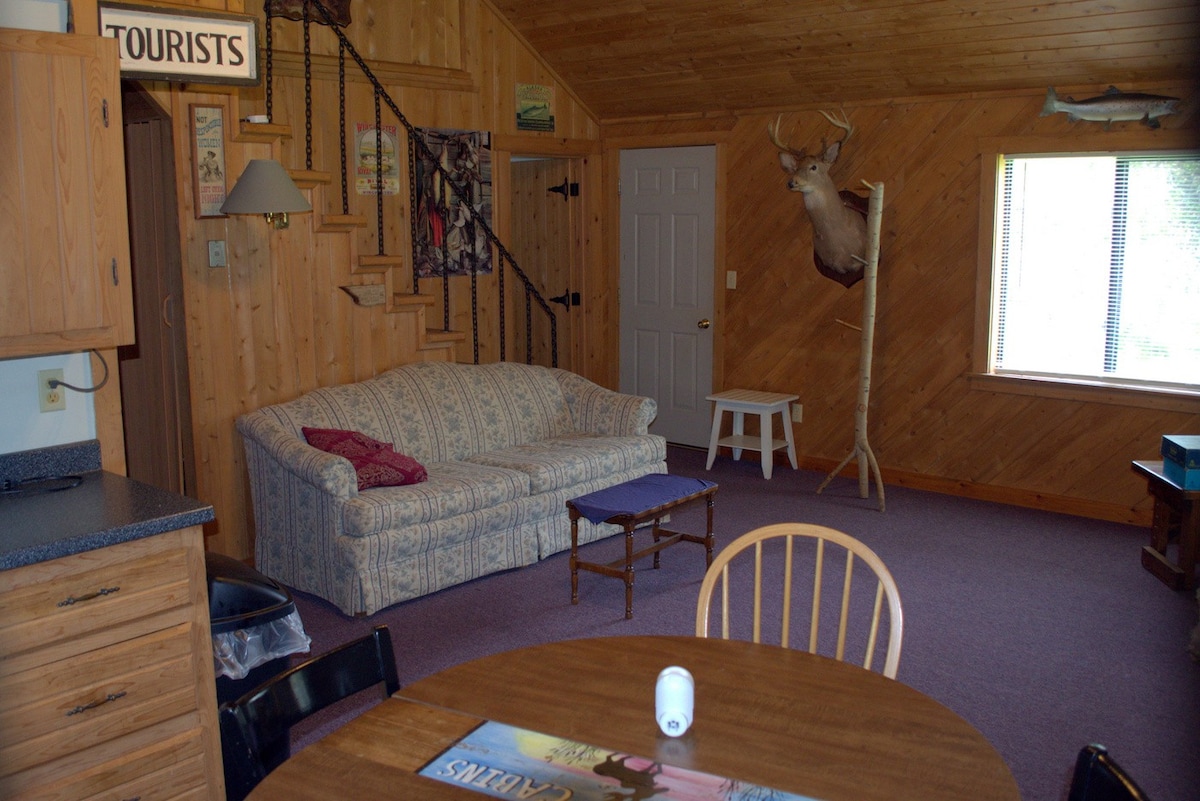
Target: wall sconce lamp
{"x":265,"y":188}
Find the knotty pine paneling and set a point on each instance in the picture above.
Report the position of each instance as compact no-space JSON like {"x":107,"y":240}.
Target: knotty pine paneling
{"x":712,"y":56}
{"x":274,"y":324}
{"x":929,"y":425}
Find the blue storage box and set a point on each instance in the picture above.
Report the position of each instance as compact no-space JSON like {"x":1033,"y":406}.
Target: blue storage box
{"x":1181,"y":459}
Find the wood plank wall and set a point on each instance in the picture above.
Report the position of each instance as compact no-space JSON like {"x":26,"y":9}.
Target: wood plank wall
{"x":931,"y":425}
{"x":275,"y":324}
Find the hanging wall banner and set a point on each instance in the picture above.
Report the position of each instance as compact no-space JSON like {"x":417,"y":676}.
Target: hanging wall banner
{"x":183,"y":45}
{"x":448,"y":241}
{"x":371,"y":150}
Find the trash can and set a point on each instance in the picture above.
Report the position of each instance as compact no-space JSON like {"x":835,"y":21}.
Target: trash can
{"x":255,"y":626}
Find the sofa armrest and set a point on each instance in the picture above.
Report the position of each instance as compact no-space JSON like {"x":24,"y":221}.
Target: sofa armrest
{"x":294,"y":459}
{"x":604,"y":412}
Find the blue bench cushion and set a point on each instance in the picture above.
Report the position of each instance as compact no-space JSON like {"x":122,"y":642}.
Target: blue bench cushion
{"x":637,"y":496}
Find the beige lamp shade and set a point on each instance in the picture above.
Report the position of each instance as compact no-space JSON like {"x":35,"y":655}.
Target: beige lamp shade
{"x":265,"y":188}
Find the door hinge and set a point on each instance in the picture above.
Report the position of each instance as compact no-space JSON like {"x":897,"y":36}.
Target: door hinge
{"x":567,"y":190}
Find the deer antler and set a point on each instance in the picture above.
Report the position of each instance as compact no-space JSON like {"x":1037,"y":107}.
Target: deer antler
{"x":773,"y":133}
{"x":843,"y":123}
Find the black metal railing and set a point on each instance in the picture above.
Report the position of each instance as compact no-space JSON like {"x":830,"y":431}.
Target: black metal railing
{"x":418,"y":151}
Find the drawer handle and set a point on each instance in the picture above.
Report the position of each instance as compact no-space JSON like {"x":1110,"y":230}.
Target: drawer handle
{"x":106,"y":699}
{"x":100,"y":593}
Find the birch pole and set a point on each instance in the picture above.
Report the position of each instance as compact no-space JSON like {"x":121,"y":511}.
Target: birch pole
{"x":862,"y":448}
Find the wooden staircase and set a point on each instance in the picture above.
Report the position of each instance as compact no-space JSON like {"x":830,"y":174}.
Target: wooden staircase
{"x":382,"y":279}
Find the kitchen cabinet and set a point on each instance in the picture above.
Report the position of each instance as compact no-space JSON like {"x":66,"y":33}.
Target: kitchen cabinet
{"x":64,"y":240}
{"x":106,"y":674}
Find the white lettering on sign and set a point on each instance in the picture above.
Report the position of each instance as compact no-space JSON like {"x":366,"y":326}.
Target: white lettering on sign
{"x":503,"y":783}
{"x":176,"y":46}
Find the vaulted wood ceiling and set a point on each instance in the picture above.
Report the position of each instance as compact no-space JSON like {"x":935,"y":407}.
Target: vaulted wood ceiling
{"x":634,"y":58}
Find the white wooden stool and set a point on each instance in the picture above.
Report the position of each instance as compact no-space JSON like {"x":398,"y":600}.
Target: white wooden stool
{"x":765,"y":405}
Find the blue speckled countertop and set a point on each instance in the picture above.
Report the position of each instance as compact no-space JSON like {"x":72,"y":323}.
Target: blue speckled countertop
{"x":104,"y":509}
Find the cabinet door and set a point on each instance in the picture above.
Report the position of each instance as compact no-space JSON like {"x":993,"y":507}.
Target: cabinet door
{"x":64,"y":239}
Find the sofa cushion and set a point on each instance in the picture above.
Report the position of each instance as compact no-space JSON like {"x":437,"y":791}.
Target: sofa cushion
{"x":566,"y":461}
{"x":440,"y":412}
{"x":376,"y":464}
{"x":452,"y":488}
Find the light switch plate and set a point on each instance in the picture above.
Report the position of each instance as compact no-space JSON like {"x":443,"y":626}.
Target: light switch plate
{"x":216,"y":253}
{"x":731,"y":279}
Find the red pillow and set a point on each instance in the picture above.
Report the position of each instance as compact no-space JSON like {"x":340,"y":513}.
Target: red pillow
{"x":375,"y":463}
{"x":340,"y":442}
{"x":386,"y":468}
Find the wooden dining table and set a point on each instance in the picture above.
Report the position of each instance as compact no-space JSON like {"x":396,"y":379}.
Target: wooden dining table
{"x":766,"y":715}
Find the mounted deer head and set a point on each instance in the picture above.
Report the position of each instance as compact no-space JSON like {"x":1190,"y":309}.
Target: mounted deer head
{"x":838,"y":219}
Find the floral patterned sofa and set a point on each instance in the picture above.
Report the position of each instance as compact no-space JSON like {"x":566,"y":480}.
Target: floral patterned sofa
{"x":504,"y":445}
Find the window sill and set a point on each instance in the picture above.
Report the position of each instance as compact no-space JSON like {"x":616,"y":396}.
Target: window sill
{"x":1161,"y":399}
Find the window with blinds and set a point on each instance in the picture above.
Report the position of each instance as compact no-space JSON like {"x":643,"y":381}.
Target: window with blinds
{"x":1096,"y":270}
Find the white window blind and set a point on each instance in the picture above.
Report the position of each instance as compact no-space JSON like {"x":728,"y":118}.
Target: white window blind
{"x":1097,"y":268}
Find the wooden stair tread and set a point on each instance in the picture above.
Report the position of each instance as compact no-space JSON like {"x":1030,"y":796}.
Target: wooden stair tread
{"x":383,"y":261}
{"x":409,"y":299}
{"x":438,"y":335}
{"x":307,"y":179}
{"x":341,"y":222}
{"x":262,"y":132}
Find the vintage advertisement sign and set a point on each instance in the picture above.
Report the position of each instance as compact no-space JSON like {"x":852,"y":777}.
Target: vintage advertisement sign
{"x":375,"y":153}
{"x":535,"y":107}
{"x":182,"y":45}
{"x":208,"y":159}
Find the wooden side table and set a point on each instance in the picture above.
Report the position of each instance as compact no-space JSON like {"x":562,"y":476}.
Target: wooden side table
{"x":1176,"y":518}
{"x":766,"y":405}
{"x":632,"y":504}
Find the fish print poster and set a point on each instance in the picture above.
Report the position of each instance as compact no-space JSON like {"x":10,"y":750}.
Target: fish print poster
{"x":503,"y":761}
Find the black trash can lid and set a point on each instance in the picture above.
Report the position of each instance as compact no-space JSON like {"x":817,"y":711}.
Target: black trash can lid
{"x":239,"y":597}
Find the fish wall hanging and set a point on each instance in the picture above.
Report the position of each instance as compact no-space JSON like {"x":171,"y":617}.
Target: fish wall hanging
{"x":1112,"y":106}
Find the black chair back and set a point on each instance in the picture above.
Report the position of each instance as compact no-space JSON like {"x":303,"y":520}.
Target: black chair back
{"x":1099,"y":778}
{"x":255,"y":728}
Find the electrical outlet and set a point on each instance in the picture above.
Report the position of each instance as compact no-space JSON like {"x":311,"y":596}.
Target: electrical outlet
{"x":797,"y":413}
{"x":51,"y":399}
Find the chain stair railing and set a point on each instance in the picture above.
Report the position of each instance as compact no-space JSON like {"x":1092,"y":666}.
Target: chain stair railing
{"x":474,"y":225}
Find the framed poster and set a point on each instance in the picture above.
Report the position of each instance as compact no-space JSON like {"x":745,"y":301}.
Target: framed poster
{"x":208,"y":159}
{"x":375,"y":153}
{"x":535,"y":107}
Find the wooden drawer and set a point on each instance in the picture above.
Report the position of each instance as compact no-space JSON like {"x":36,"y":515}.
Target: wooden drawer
{"x":55,"y":609}
{"x":80,"y":702}
{"x":106,"y":680}
{"x":168,"y":767}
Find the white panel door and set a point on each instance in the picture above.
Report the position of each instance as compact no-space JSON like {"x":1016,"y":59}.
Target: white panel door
{"x":667,"y":262}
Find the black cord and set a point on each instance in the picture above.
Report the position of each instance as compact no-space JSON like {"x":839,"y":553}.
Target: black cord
{"x":54,"y":382}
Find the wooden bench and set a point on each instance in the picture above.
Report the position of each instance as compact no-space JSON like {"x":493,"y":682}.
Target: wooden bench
{"x":630,"y":505}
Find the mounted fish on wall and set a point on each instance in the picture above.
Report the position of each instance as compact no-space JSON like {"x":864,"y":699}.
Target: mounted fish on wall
{"x":1112,"y":106}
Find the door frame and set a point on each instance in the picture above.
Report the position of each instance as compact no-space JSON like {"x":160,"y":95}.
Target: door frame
{"x":613,"y":145}
{"x":582,"y":168}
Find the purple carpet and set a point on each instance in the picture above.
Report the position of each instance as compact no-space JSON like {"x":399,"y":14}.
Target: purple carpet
{"x":1042,"y":630}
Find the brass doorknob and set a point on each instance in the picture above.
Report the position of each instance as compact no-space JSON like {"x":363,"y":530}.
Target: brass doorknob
{"x":705,"y":323}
